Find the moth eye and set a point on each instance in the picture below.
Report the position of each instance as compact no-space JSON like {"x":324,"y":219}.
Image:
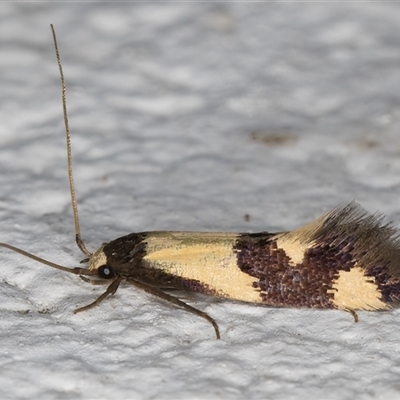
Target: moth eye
{"x":105,"y":272}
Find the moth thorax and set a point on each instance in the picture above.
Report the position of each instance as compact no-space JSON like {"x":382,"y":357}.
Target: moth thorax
{"x":97,"y":259}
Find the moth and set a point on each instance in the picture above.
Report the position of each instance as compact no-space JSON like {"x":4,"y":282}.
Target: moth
{"x":346,"y":259}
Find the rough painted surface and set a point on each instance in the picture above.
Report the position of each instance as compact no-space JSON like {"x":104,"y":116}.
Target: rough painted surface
{"x":191,"y":116}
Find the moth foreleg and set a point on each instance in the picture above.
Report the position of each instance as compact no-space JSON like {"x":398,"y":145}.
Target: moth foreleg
{"x":156,"y":292}
{"x":110,"y":291}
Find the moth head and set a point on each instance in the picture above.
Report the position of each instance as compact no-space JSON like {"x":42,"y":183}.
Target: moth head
{"x":98,"y":262}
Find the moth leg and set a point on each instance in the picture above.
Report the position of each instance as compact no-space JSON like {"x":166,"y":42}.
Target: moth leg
{"x":176,"y":301}
{"x":354,"y":314}
{"x":110,"y":291}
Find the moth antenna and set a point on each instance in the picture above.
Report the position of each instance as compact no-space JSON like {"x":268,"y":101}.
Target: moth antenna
{"x":78,"y":238}
{"x":76,"y":271}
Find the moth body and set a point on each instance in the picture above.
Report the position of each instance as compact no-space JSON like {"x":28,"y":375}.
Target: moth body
{"x":346,"y":260}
